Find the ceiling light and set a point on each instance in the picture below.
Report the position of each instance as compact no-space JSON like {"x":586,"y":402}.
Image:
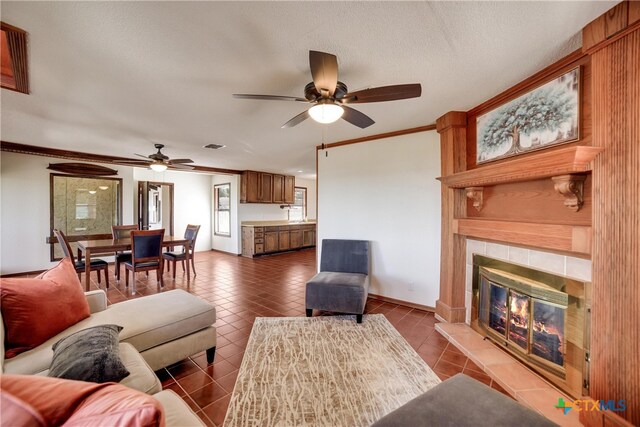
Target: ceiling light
{"x":104,"y":187}
{"x":158,"y":166}
{"x":92,"y":191}
{"x":326,"y":113}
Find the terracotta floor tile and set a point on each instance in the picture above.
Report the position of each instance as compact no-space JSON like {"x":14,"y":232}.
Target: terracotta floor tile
{"x":183,"y":369}
{"x":217,"y":410}
{"x":203,"y":417}
{"x":228,"y":381}
{"x":447,"y":368}
{"x":194,"y":381}
{"x":207,"y":394}
{"x":453,"y":357}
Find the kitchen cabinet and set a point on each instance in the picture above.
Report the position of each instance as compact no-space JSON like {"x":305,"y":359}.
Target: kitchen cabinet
{"x":295,"y":239}
{"x":258,"y":240}
{"x":264,"y":187}
{"x":270,"y":240}
{"x":289,"y":190}
{"x":278,"y":189}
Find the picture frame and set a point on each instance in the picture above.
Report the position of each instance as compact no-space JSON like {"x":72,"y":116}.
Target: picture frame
{"x":546,"y":116}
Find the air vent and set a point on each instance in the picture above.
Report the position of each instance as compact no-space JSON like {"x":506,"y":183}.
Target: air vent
{"x":214,"y":146}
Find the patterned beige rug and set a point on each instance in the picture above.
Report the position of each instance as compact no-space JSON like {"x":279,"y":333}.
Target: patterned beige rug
{"x":325,"y":371}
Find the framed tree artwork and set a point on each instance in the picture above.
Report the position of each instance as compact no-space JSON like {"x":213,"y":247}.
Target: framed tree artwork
{"x":546,"y":116}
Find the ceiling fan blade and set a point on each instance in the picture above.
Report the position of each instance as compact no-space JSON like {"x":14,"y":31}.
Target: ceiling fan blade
{"x":140,"y":155}
{"x":268,"y":97}
{"x":384,"y":93}
{"x":296,"y":120}
{"x":357,"y":118}
{"x":324,"y":70}
{"x":174,"y":161}
{"x":180,"y":166}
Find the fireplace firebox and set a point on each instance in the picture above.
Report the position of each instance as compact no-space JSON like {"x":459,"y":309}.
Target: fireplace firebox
{"x":540,"y":318}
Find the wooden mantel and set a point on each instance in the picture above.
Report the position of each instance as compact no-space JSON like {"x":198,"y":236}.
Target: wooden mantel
{"x":545,"y":164}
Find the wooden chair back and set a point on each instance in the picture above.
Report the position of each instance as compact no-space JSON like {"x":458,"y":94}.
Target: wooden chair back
{"x":191,"y":234}
{"x":64,"y":244}
{"x":146,"y":245}
{"x":122,"y":231}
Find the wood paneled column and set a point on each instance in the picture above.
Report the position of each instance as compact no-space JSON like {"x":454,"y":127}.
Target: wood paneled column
{"x":452,"y":128}
{"x":613,"y":41}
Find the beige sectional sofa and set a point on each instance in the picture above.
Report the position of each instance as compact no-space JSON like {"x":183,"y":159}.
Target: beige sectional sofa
{"x":158,"y":330}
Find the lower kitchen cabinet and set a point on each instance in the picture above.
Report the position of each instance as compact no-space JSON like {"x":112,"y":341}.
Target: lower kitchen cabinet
{"x":274,"y":239}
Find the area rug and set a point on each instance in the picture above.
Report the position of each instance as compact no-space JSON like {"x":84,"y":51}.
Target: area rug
{"x":325,"y":371}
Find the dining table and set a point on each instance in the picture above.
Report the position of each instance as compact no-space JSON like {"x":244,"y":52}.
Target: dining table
{"x":105,"y":246}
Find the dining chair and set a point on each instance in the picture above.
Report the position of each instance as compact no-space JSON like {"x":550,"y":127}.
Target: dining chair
{"x":122,"y":232}
{"x":190,"y":234}
{"x":96,"y":264}
{"x":146,"y":254}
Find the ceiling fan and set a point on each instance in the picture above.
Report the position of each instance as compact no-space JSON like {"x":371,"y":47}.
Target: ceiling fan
{"x":329,"y":96}
{"x":159,"y":162}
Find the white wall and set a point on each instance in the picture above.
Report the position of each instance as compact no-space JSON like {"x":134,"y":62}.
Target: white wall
{"x":232,"y":243}
{"x":191,"y":200}
{"x":385,"y":191}
{"x":25,"y":211}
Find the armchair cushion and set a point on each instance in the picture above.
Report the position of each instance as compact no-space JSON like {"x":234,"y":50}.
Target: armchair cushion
{"x":35,"y":310}
{"x":341,"y":292}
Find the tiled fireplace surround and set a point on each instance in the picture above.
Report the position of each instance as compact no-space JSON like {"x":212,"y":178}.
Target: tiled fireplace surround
{"x":525,"y":386}
{"x":575,"y":268}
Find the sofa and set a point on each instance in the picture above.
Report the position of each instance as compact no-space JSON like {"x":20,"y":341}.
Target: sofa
{"x":158,"y":330}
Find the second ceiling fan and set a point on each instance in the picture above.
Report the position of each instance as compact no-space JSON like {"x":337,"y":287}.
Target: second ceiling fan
{"x":330,"y":96}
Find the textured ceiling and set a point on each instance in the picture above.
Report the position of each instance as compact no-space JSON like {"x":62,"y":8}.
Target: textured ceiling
{"x":113,"y":77}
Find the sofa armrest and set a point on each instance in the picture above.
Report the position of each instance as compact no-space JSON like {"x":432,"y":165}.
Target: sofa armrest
{"x":97,"y":300}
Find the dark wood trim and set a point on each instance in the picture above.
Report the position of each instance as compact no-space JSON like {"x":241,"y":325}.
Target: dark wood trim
{"x":51,"y":240}
{"x":225,"y":252}
{"x":374,"y":137}
{"x":84,"y":169}
{"x":402,"y":302}
{"x":529,"y":83}
{"x":14,"y":147}
{"x":17,"y":46}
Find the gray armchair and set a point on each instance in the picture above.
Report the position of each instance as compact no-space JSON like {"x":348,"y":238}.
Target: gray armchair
{"x":343,"y":282}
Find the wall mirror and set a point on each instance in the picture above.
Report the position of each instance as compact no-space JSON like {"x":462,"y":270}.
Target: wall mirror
{"x":155,"y":206}
{"x":84,"y":208}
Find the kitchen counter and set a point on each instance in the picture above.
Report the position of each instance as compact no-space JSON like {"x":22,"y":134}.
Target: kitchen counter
{"x":275,"y":223}
{"x":270,"y":237}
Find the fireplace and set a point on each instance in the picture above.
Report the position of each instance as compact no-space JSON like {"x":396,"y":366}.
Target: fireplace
{"x":540,"y":318}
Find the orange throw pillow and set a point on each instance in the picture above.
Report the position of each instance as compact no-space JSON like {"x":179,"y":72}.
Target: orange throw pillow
{"x":79,"y":403}
{"x":35,"y":310}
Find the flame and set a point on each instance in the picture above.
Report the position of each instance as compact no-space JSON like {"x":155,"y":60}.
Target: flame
{"x":519,"y":312}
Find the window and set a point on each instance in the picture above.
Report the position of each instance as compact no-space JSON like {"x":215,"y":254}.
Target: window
{"x":222,"y":198}
{"x":298,"y":211}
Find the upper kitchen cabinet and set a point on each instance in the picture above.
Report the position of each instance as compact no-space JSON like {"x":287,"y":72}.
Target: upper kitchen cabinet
{"x":263,"y":187}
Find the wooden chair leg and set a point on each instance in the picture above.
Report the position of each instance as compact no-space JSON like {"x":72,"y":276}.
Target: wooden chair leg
{"x":193,"y":264}
{"x":182,"y":262}
{"x":174,"y":269}
{"x":117,"y":271}
{"x":168,"y":267}
{"x":98,"y":274}
{"x":159,"y":272}
{"x":106,"y":276}
{"x":126,"y":277}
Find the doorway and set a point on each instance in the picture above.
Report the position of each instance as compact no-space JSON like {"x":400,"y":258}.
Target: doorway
{"x":155,"y":206}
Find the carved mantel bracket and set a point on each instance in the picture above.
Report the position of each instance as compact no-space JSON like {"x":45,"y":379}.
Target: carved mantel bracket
{"x":571,"y":187}
{"x":475,"y":194}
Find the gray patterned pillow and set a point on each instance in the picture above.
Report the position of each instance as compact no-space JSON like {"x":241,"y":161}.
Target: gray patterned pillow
{"x":91,"y":354}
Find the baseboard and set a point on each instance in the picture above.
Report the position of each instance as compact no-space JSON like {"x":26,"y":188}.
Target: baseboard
{"x":401,"y":302}
{"x":225,"y":252}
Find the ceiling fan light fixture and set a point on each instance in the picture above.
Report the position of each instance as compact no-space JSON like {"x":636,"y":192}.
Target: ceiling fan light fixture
{"x":326,"y":113}
{"x":158,"y":166}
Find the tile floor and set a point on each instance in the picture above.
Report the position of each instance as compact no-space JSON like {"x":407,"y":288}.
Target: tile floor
{"x":243,"y":289}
